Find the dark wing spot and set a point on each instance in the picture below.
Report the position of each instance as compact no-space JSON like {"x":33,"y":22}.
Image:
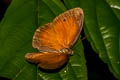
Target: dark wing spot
{"x":64,"y":19}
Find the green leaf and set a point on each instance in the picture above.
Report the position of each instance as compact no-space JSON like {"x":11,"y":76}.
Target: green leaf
{"x":115,"y":5}
{"x":21,"y":20}
{"x":102,"y":30}
{"x":109,"y":27}
{"x":102,"y":21}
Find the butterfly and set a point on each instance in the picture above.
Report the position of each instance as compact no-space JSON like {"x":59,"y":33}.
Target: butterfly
{"x":55,"y":39}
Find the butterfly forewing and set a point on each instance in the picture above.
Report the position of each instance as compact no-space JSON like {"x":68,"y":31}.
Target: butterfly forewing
{"x":62,"y":32}
{"x":68,"y":26}
{"x":45,"y":37}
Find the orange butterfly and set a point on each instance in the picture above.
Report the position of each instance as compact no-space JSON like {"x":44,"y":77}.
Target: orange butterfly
{"x":54,"y":40}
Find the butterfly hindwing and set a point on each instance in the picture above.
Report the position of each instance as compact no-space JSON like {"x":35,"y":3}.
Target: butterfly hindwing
{"x":47,"y":60}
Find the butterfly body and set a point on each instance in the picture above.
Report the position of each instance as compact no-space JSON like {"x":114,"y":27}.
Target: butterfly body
{"x":54,"y":40}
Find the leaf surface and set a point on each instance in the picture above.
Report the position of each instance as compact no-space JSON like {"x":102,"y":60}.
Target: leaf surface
{"x":21,"y":20}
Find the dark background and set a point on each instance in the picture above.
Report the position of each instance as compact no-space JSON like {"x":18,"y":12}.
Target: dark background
{"x":97,"y":69}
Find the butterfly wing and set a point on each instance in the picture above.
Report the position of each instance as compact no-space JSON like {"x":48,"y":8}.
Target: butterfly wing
{"x":68,"y":26}
{"x":61,"y":33}
{"x":48,"y":60}
{"x":44,"y":38}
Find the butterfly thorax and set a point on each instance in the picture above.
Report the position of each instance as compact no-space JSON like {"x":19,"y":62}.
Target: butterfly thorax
{"x":63,"y":50}
{"x":67,"y":50}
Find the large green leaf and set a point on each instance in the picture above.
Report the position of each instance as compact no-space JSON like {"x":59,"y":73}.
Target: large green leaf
{"x":102,"y":29}
{"x":16,"y":30}
{"x":109,"y":27}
